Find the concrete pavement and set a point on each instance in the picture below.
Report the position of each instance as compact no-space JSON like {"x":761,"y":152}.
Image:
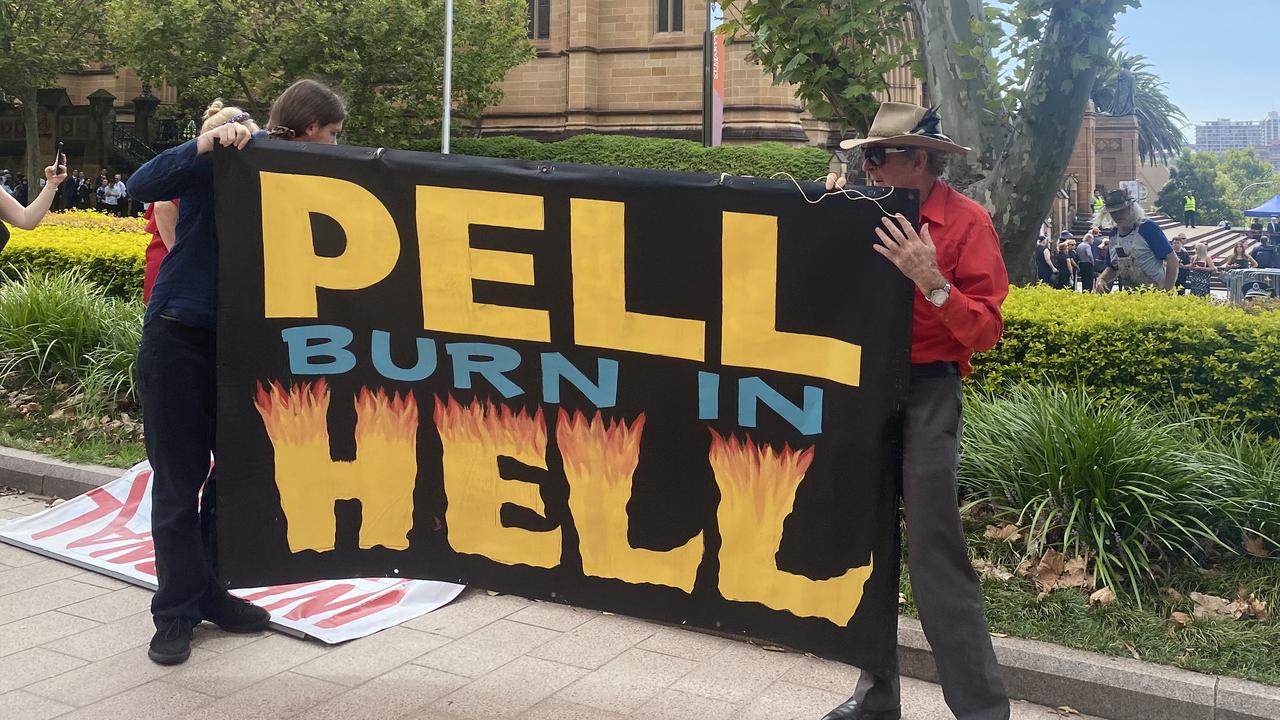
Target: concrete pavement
{"x":72,"y":645}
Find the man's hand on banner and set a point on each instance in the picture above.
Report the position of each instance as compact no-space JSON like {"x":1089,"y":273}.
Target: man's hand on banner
{"x":913,"y":254}
{"x":229,"y":135}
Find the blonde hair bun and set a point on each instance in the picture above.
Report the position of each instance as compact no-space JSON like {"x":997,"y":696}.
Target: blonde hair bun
{"x":220,"y":114}
{"x":214,"y":108}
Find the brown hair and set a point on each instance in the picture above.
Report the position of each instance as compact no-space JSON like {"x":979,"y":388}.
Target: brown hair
{"x":303,"y":103}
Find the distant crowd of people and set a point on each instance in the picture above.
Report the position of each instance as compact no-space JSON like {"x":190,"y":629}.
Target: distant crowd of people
{"x":1126,"y":249}
{"x":78,"y":191}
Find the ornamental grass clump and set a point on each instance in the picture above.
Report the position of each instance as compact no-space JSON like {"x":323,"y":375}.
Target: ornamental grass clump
{"x":62,"y":327}
{"x":1112,"y":481}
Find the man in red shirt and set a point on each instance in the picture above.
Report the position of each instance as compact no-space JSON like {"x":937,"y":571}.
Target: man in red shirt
{"x":954,"y":260}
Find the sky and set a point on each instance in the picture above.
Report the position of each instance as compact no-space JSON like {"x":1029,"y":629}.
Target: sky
{"x":1220,"y":58}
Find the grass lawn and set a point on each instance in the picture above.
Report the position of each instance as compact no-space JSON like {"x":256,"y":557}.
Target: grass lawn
{"x":1246,"y":648}
{"x":39,"y":420}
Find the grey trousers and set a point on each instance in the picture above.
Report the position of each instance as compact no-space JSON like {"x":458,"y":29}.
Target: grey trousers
{"x":943,"y":582}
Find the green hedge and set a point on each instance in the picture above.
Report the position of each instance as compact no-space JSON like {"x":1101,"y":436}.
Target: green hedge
{"x":1158,"y":346}
{"x":113,"y":259}
{"x":759,"y":160}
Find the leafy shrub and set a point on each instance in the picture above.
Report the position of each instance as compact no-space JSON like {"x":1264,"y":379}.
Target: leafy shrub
{"x":1154,"y":345}
{"x":114,"y":259}
{"x":1249,"y":473}
{"x":96,"y":221}
{"x":758,"y":160}
{"x":1112,"y":480}
{"x":63,"y":327}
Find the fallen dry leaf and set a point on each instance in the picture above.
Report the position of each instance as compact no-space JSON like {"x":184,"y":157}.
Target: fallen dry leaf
{"x":1048,"y":570}
{"x":999,"y":635}
{"x":773,"y":648}
{"x":1133,"y":651}
{"x":989,"y":570}
{"x":1026,"y":567}
{"x":1103,"y":596}
{"x":54,"y":502}
{"x":1075,"y":574}
{"x":1007,"y":532}
{"x":1212,"y":607}
{"x":902,"y":599}
{"x":1065,"y":710}
{"x":1180,"y":618}
{"x":1258,"y":609}
{"x":1172,"y":594}
{"x":1256,"y":546}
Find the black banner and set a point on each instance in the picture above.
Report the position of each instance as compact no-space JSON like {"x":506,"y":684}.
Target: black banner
{"x":667,"y":395}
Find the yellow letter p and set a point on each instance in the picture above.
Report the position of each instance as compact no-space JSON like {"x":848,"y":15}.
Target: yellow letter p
{"x":292,"y":272}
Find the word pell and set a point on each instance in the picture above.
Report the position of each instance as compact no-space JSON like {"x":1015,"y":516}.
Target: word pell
{"x":749,"y":337}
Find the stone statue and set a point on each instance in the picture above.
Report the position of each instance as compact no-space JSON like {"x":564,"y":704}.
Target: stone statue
{"x":1122,"y":103}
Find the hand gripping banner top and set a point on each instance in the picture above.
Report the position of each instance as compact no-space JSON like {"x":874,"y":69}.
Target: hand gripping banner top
{"x":668,"y":395}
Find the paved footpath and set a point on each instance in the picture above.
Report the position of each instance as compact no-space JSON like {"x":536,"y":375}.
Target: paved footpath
{"x":73,"y":645}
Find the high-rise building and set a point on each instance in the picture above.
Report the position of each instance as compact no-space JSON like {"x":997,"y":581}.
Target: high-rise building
{"x":1219,"y":136}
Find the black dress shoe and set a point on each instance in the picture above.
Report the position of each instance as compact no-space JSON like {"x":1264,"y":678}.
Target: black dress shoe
{"x":851,"y":710}
{"x":233,"y":614}
{"x":171,"y":644}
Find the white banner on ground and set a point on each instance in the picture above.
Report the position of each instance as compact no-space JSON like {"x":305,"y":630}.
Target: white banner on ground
{"x":109,"y":530}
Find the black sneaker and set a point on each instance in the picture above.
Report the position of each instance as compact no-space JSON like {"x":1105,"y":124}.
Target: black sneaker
{"x":233,"y":614}
{"x":171,"y":644}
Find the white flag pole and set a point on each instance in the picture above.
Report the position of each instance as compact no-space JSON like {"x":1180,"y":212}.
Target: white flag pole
{"x":448,"y":76}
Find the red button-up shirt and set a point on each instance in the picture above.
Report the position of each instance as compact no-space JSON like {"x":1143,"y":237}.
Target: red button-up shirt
{"x":969,"y":257}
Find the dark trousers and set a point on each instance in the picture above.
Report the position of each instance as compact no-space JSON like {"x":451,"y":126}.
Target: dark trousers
{"x":1189,"y":218}
{"x":1086,"y":277}
{"x":177,"y":381}
{"x":943,"y":582}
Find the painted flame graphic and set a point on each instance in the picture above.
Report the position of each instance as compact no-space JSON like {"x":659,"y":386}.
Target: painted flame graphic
{"x":381,"y":477}
{"x":757,"y":492}
{"x":600,"y":457}
{"x":473,"y":436}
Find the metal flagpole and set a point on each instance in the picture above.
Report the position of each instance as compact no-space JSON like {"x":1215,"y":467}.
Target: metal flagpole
{"x":448,"y":76}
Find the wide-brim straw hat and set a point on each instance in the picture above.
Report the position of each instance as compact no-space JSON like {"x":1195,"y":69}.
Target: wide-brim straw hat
{"x":906,"y":125}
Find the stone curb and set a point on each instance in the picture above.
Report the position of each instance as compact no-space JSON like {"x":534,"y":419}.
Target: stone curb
{"x":1039,"y":672}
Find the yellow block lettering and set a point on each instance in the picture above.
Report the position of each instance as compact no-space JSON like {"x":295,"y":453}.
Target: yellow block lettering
{"x":599,"y":460}
{"x":473,"y":436}
{"x":757,"y":493}
{"x":292,"y":272}
{"x":449,"y":263}
{"x":382,"y":476}
{"x":600,"y":311}
{"x":750,"y":337}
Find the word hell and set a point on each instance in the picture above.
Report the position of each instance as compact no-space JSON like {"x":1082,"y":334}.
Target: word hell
{"x":757,"y":492}
{"x":749,"y":337}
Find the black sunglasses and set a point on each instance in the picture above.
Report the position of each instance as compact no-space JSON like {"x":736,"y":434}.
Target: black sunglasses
{"x":875,"y":156}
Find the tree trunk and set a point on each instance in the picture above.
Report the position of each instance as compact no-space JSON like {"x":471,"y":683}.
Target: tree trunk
{"x":1018,"y":162}
{"x":943,"y":26}
{"x":31,"y":121}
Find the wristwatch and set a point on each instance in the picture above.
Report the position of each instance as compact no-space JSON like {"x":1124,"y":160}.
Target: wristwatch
{"x":938,"y":296}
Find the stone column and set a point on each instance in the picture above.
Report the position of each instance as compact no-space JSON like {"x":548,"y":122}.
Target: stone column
{"x":145,"y":124}
{"x":102,"y":115}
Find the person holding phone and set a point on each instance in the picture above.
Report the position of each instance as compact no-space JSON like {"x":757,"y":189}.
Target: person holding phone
{"x":27,"y":218}
{"x":176,"y":366}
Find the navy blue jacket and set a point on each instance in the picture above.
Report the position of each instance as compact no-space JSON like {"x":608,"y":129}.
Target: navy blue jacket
{"x":186,"y":288}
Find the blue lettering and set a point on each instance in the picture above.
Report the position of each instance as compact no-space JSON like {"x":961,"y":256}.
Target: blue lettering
{"x":382,"y":362}
{"x":333,"y":344}
{"x":497,"y":360}
{"x":603,"y":394}
{"x":807,"y":420}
